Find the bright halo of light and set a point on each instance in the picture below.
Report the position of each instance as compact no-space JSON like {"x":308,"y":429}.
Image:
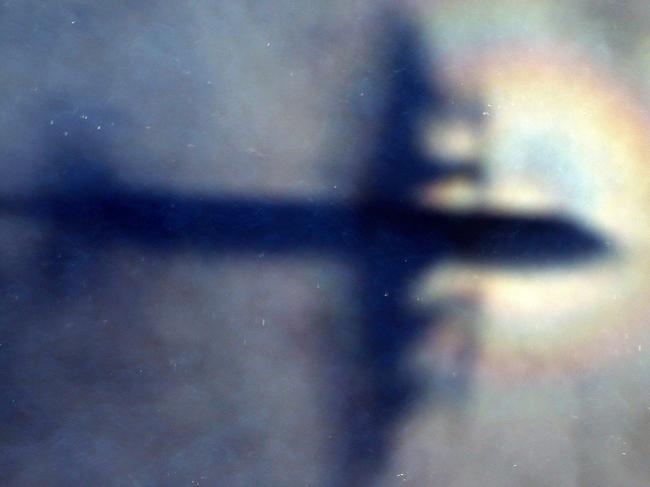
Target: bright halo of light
{"x":562,"y":137}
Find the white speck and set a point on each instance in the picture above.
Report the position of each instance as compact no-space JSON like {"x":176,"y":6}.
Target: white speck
{"x":84,"y":116}
{"x":268,"y":44}
{"x":148,"y":127}
{"x":623,"y":453}
{"x":191,"y":146}
{"x":361,"y":94}
{"x":485,"y":114}
{"x":99,"y":127}
{"x":640,"y":348}
{"x":386,"y":294}
{"x":65,"y":134}
{"x":335,"y":186}
{"x":514,"y":465}
{"x":51,"y":122}
{"x":263,"y":322}
{"x":73,"y":21}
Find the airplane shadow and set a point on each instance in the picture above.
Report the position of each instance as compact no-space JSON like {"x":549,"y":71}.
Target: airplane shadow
{"x":389,"y":239}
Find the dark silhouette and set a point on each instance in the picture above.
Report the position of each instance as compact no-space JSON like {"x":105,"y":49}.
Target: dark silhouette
{"x":388,"y":237}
